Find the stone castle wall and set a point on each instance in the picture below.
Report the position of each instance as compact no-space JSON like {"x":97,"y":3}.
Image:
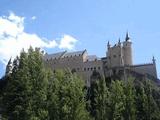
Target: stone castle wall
{"x":120,"y":55}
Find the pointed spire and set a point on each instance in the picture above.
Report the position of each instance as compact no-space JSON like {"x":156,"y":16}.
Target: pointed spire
{"x":119,"y":40}
{"x":127,"y":36}
{"x":108,"y":45}
{"x":154,"y":60}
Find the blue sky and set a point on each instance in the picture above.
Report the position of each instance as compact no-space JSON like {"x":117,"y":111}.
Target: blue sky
{"x":89,"y":23}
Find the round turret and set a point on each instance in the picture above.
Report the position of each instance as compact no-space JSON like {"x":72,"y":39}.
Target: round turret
{"x":127,"y":50}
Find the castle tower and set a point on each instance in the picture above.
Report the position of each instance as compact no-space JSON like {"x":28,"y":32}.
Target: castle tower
{"x":127,"y":51}
{"x":154,"y":65}
{"x":115,"y":55}
{"x":121,"y":60}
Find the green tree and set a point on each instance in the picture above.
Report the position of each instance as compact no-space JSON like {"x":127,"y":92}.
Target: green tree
{"x":153,"y":111}
{"x":117,"y":100}
{"x":39,"y":81}
{"x":141,"y":103}
{"x":25,"y":93}
{"x":130,"y":107}
{"x":98,"y":97}
{"x":66,"y":97}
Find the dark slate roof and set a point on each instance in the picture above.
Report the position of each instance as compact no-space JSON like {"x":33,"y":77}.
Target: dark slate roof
{"x":77,"y":53}
{"x":92,"y":58}
{"x":54,"y":56}
{"x":63,"y":54}
{"x":139,"y":65}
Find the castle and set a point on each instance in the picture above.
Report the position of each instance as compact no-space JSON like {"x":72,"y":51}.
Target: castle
{"x":118,"y":59}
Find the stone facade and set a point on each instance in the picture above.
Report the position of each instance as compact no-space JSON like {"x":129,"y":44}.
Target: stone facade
{"x":117,"y":57}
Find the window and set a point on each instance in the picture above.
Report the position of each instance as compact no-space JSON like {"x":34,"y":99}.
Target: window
{"x":114,"y":56}
{"x":99,"y":68}
{"x":91,"y":69}
{"x":88,"y":69}
{"x":84,"y":69}
{"x":94,"y":68}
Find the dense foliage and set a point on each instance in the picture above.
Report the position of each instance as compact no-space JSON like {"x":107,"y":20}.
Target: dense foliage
{"x":30,"y":91}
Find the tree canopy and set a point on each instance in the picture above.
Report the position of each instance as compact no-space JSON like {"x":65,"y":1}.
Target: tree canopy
{"x":31,"y":91}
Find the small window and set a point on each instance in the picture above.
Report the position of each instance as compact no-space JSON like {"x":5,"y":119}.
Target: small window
{"x":91,"y":69}
{"x":84,"y":69}
{"x":114,"y":56}
{"x":88,"y":69}
{"x":94,"y":68}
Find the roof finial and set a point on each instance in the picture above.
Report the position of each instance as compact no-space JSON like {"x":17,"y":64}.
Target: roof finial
{"x":119,"y":41}
{"x":154,"y":60}
{"x":127,"y":36}
{"x":108,"y":44}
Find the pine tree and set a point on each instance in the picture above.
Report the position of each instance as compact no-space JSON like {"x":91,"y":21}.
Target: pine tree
{"x":9,"y":67}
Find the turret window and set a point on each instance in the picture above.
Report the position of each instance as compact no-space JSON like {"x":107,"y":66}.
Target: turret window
{"x":91,"y":69}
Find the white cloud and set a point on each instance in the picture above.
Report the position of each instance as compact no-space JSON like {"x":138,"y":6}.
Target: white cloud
{"x":33,"y":17}
{"x":13,"y":38}
{"x":67,"y":42}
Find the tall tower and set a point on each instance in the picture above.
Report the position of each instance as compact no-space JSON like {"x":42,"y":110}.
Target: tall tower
{"x":154,"y":65}
{"x":127,"y":50}
{"x":115,"y":55}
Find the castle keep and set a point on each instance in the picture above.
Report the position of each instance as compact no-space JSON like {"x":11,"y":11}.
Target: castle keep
{"x":117,"y":60}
